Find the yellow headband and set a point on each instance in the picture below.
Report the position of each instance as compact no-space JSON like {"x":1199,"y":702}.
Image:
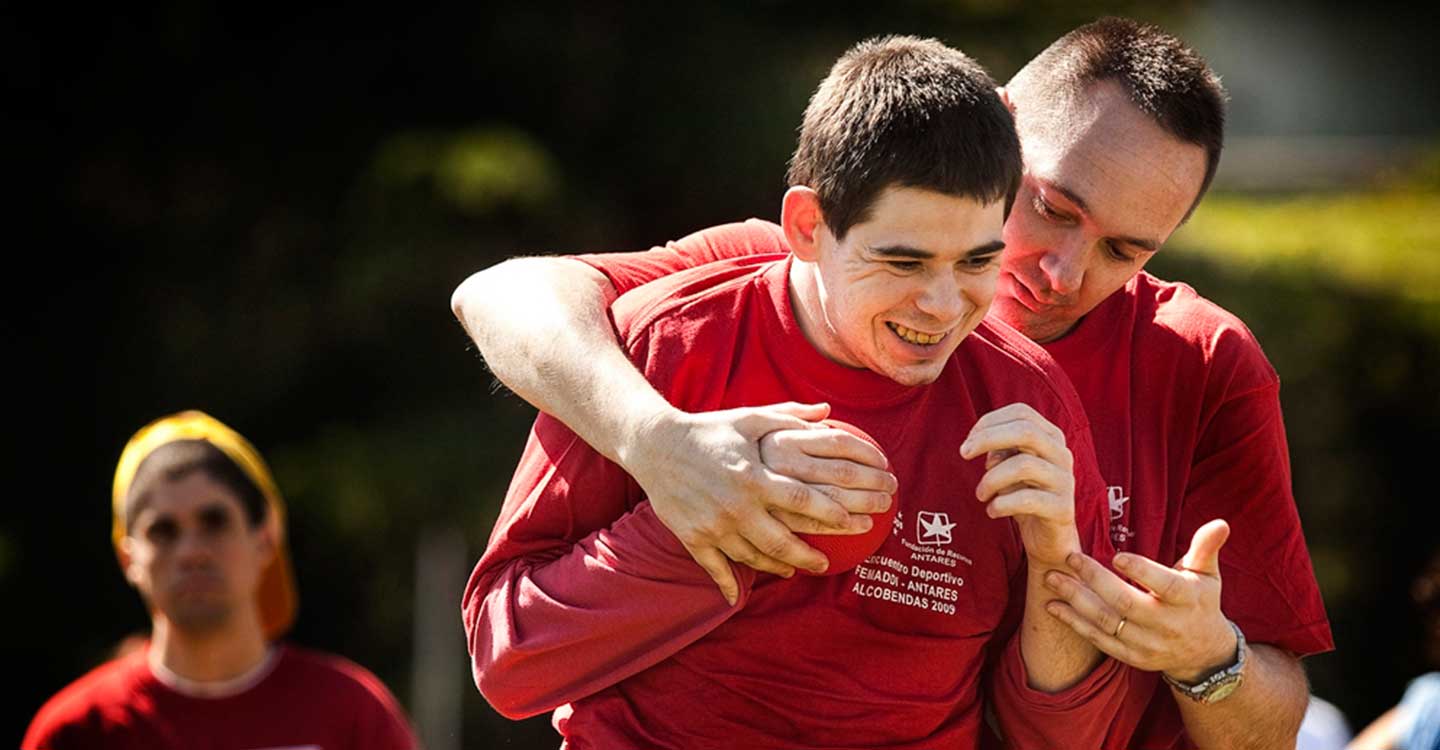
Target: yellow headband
{"x":276,"y":596}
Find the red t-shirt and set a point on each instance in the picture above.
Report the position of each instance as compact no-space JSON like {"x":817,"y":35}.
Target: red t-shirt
{"x":1185,"y":412}
{"x":584,"y":598}
{"x":307,"y":700}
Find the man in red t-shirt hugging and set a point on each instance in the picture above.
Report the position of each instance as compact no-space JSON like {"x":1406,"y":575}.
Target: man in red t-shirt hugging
{"x":1122,"y":126}
{"x":585,"y":603}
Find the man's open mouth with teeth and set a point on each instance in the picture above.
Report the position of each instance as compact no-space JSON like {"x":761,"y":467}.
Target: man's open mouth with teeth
{"x":915,"y":337}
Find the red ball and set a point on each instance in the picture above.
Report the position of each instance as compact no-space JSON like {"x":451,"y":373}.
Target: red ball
{"x":845,"y":551}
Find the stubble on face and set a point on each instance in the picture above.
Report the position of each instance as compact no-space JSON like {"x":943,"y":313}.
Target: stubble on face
{"x":1104,"y":187}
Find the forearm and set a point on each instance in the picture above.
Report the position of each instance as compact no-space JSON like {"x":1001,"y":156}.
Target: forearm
{"x":1264,"y":712}
{"x":1382,"y":734}
{"x":1056,"y":657}
{"x":545,"y":631}
{"x":541,"y":325}
{"x":1049,"y":692}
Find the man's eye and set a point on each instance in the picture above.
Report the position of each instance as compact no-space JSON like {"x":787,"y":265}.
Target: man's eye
{"x":1044,"y":209}
{"x":904,"y":265}
{"x":1114,"y":251}
{"x":979,"y":262}
{"x":162,"y":532}
{"x":215,"y":521}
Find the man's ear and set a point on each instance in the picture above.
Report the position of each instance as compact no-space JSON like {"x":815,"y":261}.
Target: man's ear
{"x":265,"y":540}
{"x":1005,"y":98}
{"x":802,"y":222}
{"x":125,"y":553}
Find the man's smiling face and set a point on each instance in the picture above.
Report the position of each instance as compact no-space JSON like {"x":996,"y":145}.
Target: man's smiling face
{"x":905,"y":286}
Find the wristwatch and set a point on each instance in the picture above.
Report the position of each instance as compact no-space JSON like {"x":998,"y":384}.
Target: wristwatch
{"x":1220,"y":685}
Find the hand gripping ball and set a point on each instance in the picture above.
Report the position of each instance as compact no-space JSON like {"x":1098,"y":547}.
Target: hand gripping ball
{"x":845,"y":551}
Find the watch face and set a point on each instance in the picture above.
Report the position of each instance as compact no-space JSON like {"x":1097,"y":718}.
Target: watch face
{"x":1222,"y":691}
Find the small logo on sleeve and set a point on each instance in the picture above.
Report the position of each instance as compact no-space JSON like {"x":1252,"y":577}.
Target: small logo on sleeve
{"x":1117,"y":502}
{"x":1119,"y":532}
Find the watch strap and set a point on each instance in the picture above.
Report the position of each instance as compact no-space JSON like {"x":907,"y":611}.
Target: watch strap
{"x":1221,"y":683}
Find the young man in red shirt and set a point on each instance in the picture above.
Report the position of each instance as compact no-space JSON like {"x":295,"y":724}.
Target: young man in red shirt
{"x":199,"y":530}
{"x":584,"y":602}
{"x":1122,"y":127}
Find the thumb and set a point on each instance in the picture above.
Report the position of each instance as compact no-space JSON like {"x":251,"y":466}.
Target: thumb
{"x":788,"y":415}
{"x":807,"y":412}
{"x":1204,"y":554}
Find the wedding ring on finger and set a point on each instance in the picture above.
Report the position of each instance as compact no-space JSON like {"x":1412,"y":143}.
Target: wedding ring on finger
{"x":1119,"y":627}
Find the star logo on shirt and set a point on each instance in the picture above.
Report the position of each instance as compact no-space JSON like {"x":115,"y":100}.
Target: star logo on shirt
{"x":1116,"y":496}
{"x":934,"y":528}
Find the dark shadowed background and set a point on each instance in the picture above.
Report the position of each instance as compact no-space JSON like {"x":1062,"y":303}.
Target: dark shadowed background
{"x":262,"y":214}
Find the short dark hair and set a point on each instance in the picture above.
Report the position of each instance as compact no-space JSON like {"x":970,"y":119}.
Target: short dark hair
{"x":908,"y":112}
{"x":176,"y":460}
{"x":1161,"y":75}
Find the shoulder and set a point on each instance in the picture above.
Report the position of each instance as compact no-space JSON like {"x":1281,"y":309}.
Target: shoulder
{"x":994,"y":341}
{"x":352,"y":694}
{"x":1180,"y":323}
{"x":712,"y":292}
{"x":88,"y":701}
{"x":627,"y":271}
{"x":1180,"y":310}
{"x":749,"y":237}
{"x":1005,"y":367}
{"x":332,"y":672}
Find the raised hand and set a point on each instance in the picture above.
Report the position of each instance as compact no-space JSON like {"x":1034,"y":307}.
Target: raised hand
{"x":1029,"y":477}
{"x":1168,"y":620}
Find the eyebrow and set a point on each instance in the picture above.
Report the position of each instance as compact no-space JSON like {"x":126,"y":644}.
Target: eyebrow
{"x":214,"y":506}
{"x":1070,"y":195}
{"x":915,"y":253}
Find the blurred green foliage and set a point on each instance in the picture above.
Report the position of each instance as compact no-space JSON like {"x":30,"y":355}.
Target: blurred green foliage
{"x":1382,"y":241}
{"x":474,"y":171}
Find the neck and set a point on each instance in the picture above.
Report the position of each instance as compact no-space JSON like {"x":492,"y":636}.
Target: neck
{"x":218,"y":654}
{"x":807,"y":300}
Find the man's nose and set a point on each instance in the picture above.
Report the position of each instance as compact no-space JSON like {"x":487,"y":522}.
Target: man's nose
{"x":192,"y":547}
{"x":1064,"y":267}
{"x":941,"y":298}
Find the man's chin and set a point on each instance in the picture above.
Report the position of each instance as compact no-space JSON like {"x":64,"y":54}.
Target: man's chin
{"x":915,"y":375}
{"x":1021,"y":318}
{"x":196,"y":617}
